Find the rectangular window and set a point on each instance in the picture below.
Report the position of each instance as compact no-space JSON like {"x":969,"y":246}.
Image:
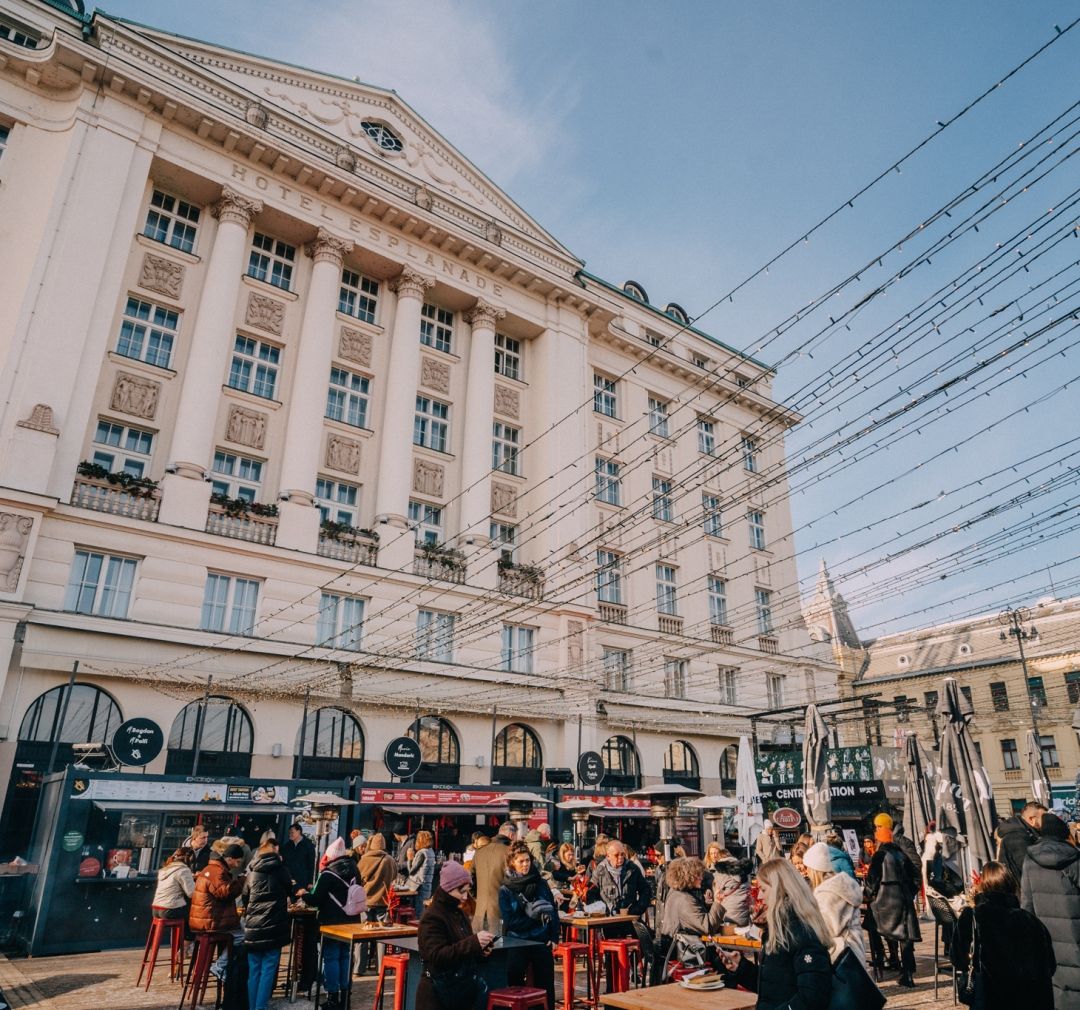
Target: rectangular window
{"x":608,"y":482}
{"x":503,"y":539}
{"x":229,"y":604}
{"x":712,"y":518}
{"x":718,"y":614}
{"x":341,"y":621}
{"x":435,"y":636}
{"x":999,"y":695}
{"x":254,"y":367}
{"x":658,"y":417}
{"x":19,"y":37}
{"x":148,"y":332}
{"x":347,"y":398}
{"x":1072,"y":686}
{"x":616,"y":669}
{"x":437,"y":328}
{"x":121,"y":449}
{"x":774,"y":689}
{"x":605,"y":400}
{"x":756,"y":521}
{"x":504,"y":448}
{"x":337,"y":501}
{"x":966,"y":692}
{"x":608,"y":577}
{"x":652,"y":339}
{"x":100,"y":584}
{"x":517,"y":648}
{"x":706,"y":436}
{"x":675,"y":677}
{"x":427,"y":521}
{"x":763,"y":602}
{"x":1010,"y":755}
{"x":172,"y":221}
{"x":729,"y":692}
{"x":359,"y":296}
{"x":271,"y":260}
{"x":661,"y":500}
{"x":749,"y":447}
{"x":238,"y":476}
{"x":698,"y":361}
{"x":1048,"y":746}
{"x":507,"y":356}
{"x":1037,"y":691}
{"x":431,"y":426}
{"x":666,"y":593}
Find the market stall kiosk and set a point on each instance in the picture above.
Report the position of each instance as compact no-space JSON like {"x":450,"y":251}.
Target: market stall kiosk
{"x":620,"y":817}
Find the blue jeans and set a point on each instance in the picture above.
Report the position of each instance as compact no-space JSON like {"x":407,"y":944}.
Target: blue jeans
{"x":335,"y":966}
{"x":262,"y":970}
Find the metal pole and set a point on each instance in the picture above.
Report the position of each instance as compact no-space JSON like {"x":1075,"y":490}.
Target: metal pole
{"x":303,"y":735}
{"x":199,"y":720}
{"x":64,"y":699}
{"x":1032,"y":704}
{"x":491,"y":775}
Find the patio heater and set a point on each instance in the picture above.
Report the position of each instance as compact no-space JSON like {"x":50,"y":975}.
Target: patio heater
{"x":521,"y":807}
{"x":713,"y":810}
{"x":580,"y":812}
{"x":663,"y":806}
{"x":323,"y":810}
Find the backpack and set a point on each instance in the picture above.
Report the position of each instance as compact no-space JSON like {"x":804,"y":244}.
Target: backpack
{"x":355,"y":900}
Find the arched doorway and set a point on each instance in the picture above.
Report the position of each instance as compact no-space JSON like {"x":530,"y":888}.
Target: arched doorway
{"x":440,"y":750}
{"x":681,"y":765}
{"x":621,"y":763}
{"x":223,"y":731}
{"x":518,"y":759}
{"x":729,"y":759}
{"x":333,"y":745}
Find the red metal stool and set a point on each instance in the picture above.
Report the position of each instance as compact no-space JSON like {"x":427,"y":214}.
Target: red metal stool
{"x":207,"y":947}
{"x":158,"y":928}
{"x":617,"y":955}
{"x":517,"y":997}
{"x":569,"y":953}
{"x":399,"y":965}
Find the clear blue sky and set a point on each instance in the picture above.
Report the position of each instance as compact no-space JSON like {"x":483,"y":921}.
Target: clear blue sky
{"x":683,"y":144}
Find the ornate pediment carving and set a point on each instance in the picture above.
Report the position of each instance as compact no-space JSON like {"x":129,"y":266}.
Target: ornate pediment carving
{"x":132,"y":394}
{"x":40,"y":419}
{"x":435,"y":375}
{"x":161,"y":275}
{"x":265,"y":313}
{"x":355,"y":346}
{"x":507,"y":401}
{"x":14,"y":536}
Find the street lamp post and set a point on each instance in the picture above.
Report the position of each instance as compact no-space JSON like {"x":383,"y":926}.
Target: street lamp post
{"x":1012,"y":620}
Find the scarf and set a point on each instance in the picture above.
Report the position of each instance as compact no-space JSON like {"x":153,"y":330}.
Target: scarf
{"x":526,"y":885}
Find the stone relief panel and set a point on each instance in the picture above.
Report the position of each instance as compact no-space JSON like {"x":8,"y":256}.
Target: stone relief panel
{"x":343,"y":454}
{"x":575,"y":644}
{"x":161,"y":275}
{"x":668,"y":546}
{"x":607,"y":438}
{"x":761,"y":571}
{"x":428,"y":478}
{"x":717,"y":559}
{"x":14,"y":537}
{"x":355,"y":346}
{"x":133,"y":394}
{"x":662,"y":460}
{"x":507,"y":402}
{"x":503,"y":499}
{"x":265,"y":313}
{"x":40,"y":419}
{"x":435,"y":375}
{"x":247,"y":427}
{"x":609,"y":529}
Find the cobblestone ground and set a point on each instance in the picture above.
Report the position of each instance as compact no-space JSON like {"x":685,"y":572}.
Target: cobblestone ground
{"x":105,"y":980}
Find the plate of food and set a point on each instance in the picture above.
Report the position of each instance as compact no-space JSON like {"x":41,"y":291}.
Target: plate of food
{"x":703,"y":983}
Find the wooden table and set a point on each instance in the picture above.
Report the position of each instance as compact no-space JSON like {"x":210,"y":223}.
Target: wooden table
{"x":353,"y":933}
{"x":675,"y":997}
{"x":592,"y":926}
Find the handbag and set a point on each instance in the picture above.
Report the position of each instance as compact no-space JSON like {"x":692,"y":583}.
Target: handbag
{"x":969,"y":982}
{"x":461,"y":988}
{"x":852,"y":986}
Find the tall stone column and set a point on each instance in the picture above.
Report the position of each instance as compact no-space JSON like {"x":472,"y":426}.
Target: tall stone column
{"x":298,"y":519}
{"x":185,"y":493}
{"x":395,"y":440}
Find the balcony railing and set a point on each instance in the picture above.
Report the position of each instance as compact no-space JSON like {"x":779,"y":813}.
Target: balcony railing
{"x":253,"y":528}
{"x":521,"y":582}
{"x":669,"y":625}
{"x":722,"y":635}
{"x":1053,"y":773}
{"x":1014,"y":774}
{"x":102,"y":496}
{"x":448,"y":568}
{"x":769,"y":644}
{"x":613,"y":613}
{"x":355,"y":550}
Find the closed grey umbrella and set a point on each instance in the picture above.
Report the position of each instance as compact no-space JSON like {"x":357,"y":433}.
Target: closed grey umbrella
{"x":1040,"y":781}
{"x":817,"y":798}
{"x":963,"y":796}
{"x":918,"y":791}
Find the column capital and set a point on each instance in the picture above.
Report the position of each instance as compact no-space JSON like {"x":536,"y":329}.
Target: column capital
{"x":483,"y":314}
{"x":235,"y":207}
{"x":411,"y":283}
{"x":328,"y":248}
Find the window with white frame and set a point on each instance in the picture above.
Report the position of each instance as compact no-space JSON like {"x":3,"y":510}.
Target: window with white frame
{"x":698,"y":360}
{"x":666,"y":591}
{"x":608,"y":481}
{"x":121,"y":449}
{"x":359,"y":296}
{"x":148,"y":332}
{"x":718,"y":614}
{"x":774,"y":690}
{"x":435,"y":636}
{"x":711,"y":516}
{"x":729,"y":690}
{"x":172,"y":221}
{"x":338,"y":502}
{"x":706,"y":436}
{"x":662,"y":507}
{"x":341,"y":621}
{"x":18,"y":36}
{"x":437,"y":328}
{"x":507,"y":356}
{"x":427,"y":522}
{"x":236,"y":476}
{"x":658,"y":417}
{"x":431,"y":426}
{"x":254,"y":367}
{"x":749,"y":447}
{"x":756,"y":522}
{"x":1048,"y":747}
{"x":5,"y":135}
{"x":652,"y":339}
{"x":763,"y":603}
{"x":347,"y":397}
{"x":616,"y":664}
{"x":517,"y":648}
{"x":609,"y":576}
{"x":675,"y":677}
{"x":229,"y":604}
{"x":100,"y":584}
{"x":503,"y":539}
{"x":605,"y":400}
{"x":271,"y":260}
{"x":505,"y":440}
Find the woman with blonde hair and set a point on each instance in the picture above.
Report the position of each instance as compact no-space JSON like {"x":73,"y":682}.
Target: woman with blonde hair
{"x":563,"y":868}
{"x":795,"y":967}
{"x":422,"y":868}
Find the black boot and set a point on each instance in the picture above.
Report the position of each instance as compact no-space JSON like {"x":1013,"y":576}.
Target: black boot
{"x":906,"y":980}
{"x":333,"y":1001}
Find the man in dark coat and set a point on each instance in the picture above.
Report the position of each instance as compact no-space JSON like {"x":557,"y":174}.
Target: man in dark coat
{"x":299,"y":856}
{"x":265,"y":898}
{"x":489,"y":868}
{"x":892,"y":884}
{"x":1016,"y":835}
{"x":404,"y":846}
{"x":620,"y":883}
{"x":1051,"y":890}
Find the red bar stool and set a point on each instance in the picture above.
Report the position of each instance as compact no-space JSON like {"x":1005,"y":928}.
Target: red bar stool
{"x":207,"y":946}
{"x":618,"y":955}
{"x":399,"y":965}
{"x":517,"y":997}
{"x":158,"y":928}
{"x":405,"y":915}
{"x":569,"y":953}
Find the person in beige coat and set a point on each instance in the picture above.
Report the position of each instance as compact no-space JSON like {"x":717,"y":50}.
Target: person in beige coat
{"x":489,"y":869}
{"x":839,"y":896}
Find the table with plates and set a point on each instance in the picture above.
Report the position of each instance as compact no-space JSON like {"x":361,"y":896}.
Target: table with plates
{"x":353,"y":933}
{"x":591,"y":927}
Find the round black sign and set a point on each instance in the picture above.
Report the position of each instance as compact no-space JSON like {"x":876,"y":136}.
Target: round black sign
{"x":590,"y":768}
{"x":137,"y":742}
{"x":402,"y":757}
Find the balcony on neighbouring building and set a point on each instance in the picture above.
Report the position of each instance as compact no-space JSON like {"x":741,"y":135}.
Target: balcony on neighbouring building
{"x":443,"y":563}
{"x":669,"y":624}
{"x":356,"y":550}
{"x":769,"y":644}
{"x":249,"y":526}
{"x":722,"y":635}
{"x":522,"y":580}
{"x":1053,"y":773}
{"x":613,"y":613}
{"x":1014,"y":775}
{"x":102,"y":496}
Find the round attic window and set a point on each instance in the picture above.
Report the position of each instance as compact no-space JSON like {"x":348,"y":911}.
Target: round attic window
{"x":965,"y":649}
{"x":903,"y":661}
{"x":678,"y":313}
{"x":635,"y":290}
{"x":382,"y":135}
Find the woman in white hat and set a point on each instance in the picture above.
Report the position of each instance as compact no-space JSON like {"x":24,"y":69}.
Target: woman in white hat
{"x":839,"y":897}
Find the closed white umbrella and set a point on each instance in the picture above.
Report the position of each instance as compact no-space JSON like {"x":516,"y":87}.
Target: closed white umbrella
{"x":749,"y":816}
{"x":1040,"y":781}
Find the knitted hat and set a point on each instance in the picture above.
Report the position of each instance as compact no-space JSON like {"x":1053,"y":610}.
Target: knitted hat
{"x":233,"y":852}
{"x":818,"y":857}
{"x":453,"y":875}
{"x":883,"y":821}
{"x":335,"y":850}
{"x":1054,"y":827}
{"x":766,"y":825}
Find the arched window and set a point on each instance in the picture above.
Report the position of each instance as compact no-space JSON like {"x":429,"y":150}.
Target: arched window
{"x":621,"y":764}
{"x":729,"y":758}
{"x":333,"y":744}
{"x":223,"y":732}
{"x":681,"y":765}
{"x":518,"y":759}
{"x":439,"y":750}
{"x":636,"y":291}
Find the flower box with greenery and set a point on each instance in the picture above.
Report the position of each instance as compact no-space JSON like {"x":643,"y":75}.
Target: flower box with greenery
{"x":439,"y":554}
{"x":241,"y":508}
{"x":137,"y":487}
{"x":345,"y":531}
{"x":521,"y":569}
